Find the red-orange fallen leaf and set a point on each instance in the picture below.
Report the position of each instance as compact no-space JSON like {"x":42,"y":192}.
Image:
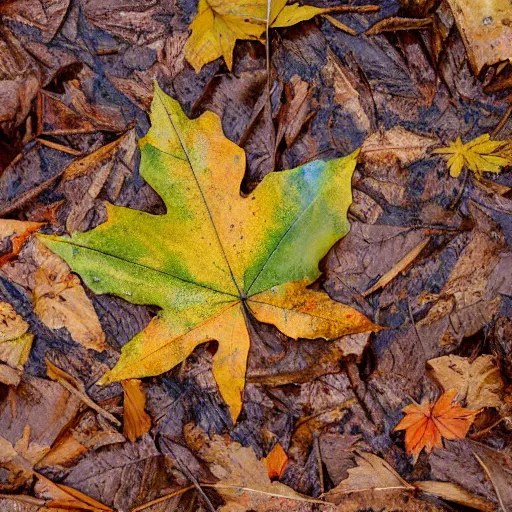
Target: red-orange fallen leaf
{"x":276,"y":461}
{"x":426,"y":424}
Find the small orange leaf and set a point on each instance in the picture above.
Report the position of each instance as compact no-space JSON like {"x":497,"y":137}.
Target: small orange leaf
{"x":136,"y":420}
{"x":276,"y":461}
{"x":426,"y":424}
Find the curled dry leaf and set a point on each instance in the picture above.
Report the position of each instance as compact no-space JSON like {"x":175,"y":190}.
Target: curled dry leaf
{"x":136,"y":420}
{"x":15,"y":341}
{"x":229,"y":256}
{"x":77,"y":388}
{"x":478,"y":383}
{"x":426,"y":424}
{"x":58,"y":297}
{"x":61,"y":496}
{"x":395,"y":24}
{"x":479,"y":155}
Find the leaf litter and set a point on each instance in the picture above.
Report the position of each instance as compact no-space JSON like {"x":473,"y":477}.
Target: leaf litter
{"x":427,"y":256}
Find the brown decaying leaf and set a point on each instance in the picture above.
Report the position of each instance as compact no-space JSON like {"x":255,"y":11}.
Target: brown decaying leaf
{"x":396,"y":143}
{"x":58,"y":297}
{"x":85,"y":178}
{"x":426,"y":424}
{"x":295,"y":111}
{"x":77,"y":388}
{"x":456,"y":494}
{"x":337,"y":451}
{"x":486,"y":30}
{"x":472,"y":294}
{"x":372,"y":474}
{"x":18,"y":233}
{"x":15,"y":342}
{"x":89,"y":432}
{"x":9,"y":376}
{"x":478,"y":383}
{"x":399,"y":267}
{"x":243,"y":480}
{"x":498,"y":468}
{"x":343,"y":81}
{"x":136,"y":420}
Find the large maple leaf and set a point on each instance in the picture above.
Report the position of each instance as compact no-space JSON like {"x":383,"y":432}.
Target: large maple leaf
{"x":216,"y":257}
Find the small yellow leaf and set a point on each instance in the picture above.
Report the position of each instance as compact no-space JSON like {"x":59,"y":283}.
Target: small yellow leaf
{"x":479,"y":155}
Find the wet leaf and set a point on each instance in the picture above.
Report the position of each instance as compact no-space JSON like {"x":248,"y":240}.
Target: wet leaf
{"x":486,"y":31}
{"x":228,"y":257}
{"x":479,"y":155}
{"x":456,"y":494}
{"x":426,"y":424}
{"x":218,"y":24}
{"x":498,"y":469}
{"x":397,"y":143}
{"x":243,"y":479}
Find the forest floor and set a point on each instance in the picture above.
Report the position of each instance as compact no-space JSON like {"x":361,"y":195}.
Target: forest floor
{"x":427,"y":257}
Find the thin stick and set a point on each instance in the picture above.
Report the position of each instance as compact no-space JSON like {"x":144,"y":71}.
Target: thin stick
{"x":267,"y":45}
{"x":193,"y":479}
{"x":84,"y":398}
{"x":502,"y":123}
{"x":354,"y":8}
{"x":173,"y":494}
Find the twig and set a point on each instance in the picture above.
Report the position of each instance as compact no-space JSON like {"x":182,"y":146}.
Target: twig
{"x":399,"y":267}
{"x":502,"y":123}
{"x":458,"y":197}
{"x":267,"y":46}
{"x":173,"y":494}
{"x":193,"y":479}
{"x":354,"y":8}
{"x":93,"y":405}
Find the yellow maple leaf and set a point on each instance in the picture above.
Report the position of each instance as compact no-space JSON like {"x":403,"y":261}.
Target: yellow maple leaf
{"x":217,"y":259}
{"x":219,"y":23}
{"x":479,"y":155}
